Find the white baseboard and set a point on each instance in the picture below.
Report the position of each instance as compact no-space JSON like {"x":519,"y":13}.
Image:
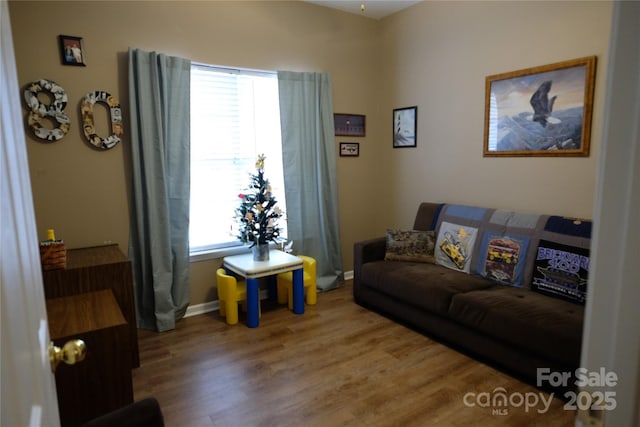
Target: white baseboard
{"x":194,"y":310}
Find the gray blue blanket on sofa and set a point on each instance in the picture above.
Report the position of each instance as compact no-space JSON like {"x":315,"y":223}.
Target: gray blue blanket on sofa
{"x":548,"y":254}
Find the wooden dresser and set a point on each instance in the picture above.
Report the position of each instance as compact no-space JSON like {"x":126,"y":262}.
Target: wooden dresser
{"x":93,"y":269}
{"x":102,"y":382}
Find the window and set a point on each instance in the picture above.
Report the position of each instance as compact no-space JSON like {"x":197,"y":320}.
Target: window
{"x":492,"y":142}
{"x":235,"y":115}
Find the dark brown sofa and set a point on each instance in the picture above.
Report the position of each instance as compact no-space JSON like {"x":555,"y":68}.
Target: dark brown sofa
{"x":513,"y":328}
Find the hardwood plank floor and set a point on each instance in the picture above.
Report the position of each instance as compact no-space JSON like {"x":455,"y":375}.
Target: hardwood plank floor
{"x":337,"y":365}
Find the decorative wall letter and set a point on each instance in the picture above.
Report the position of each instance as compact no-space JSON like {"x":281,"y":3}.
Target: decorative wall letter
{"x":39,"y":111}
{"x":55,"y":111}
{"x":87,"y":119}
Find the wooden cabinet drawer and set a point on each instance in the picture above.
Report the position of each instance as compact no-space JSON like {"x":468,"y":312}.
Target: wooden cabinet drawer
{"x":102,"y":382}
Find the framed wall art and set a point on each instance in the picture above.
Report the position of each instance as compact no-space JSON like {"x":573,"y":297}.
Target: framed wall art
{"x":540,"y":111}
{"x":405,"y":127}
{"x":72,"y":50}
{"x":349,"y":149}
{"x":349,"y":124}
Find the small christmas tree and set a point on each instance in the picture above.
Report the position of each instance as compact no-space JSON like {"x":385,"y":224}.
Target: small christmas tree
{"x":258,"y":214}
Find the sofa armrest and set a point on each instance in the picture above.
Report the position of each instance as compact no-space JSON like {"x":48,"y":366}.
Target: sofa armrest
{"x":363,"y":252}
{"x":369,"y":250}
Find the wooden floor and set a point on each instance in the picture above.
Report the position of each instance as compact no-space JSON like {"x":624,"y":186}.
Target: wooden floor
{"x":337,"y":365}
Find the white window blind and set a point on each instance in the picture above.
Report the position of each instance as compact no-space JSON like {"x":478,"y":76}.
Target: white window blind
{"x":235,"y":116}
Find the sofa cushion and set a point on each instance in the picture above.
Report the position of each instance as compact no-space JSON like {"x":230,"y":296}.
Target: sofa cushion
{"x":410,"y":245}
{"x":577,"y":227}
{"x":427,"y":216}
{"x":548,"y":326}
{"x":427,"y":286}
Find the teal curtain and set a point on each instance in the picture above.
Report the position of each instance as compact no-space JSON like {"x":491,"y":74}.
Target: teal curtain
{"x":309,"y":163}
{"x":159,"y":235}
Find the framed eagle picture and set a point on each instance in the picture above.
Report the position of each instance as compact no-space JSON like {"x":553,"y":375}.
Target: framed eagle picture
{"x":540,"y":111}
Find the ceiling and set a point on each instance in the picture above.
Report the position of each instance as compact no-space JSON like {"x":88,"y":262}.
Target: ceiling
{"x":375,"y":9}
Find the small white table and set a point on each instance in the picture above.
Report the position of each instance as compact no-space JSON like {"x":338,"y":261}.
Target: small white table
{"x":279,"y":262}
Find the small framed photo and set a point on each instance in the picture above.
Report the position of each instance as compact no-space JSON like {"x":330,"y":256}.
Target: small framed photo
{"x":405,"y":127}
{"x":72,"y":50}
{"x":349,"y":149}
{"x":349,"y":124}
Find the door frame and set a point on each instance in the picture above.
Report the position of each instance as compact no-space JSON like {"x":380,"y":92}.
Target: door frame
{"x":28,"y":393}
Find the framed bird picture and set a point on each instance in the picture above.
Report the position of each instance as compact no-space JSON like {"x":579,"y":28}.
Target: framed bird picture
{"x":540,"y":111}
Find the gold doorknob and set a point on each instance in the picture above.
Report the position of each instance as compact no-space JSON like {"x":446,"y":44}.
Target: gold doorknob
{"x":71,"y":353}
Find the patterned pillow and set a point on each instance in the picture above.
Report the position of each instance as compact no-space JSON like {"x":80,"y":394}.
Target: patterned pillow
{"x":410,"y":245}
{"x":455,"y":246}
{"x":502,"y":257}
{"x":561,"y":271}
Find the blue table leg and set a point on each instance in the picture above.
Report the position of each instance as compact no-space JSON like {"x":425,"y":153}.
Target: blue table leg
{"x":298,"y":291}
{"x":253,"y":303}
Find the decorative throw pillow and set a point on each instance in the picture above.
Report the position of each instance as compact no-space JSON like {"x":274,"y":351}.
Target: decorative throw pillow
{"x":502,"y":258}
{"x":561,"y":271}
{"x":455,"y":245}
{"x":410,"y":245}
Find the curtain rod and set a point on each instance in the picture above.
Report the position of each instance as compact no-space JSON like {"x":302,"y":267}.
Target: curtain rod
{"x":234,"y":69}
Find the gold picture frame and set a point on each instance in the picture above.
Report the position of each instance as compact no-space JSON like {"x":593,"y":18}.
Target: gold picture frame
{"x":540,"y":111}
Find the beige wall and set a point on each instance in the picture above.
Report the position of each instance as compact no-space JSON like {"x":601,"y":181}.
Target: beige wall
{"x":434,"y":55}
{"x":437,"y":55}
{"x":83,"y":193}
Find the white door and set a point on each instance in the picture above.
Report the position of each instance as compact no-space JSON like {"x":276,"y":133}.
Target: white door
{"x":28,"y":386}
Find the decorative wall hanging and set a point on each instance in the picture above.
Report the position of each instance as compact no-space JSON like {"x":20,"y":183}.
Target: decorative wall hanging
{"x":54,"y":112}
{"x":349,"y":149}
{"x":540,"y":111}
{"x":39,"y":111}
{"x":349,"y":124}
{"x":88,"y":124}
{"x":405,"y":127}
{"x":72,"y":50}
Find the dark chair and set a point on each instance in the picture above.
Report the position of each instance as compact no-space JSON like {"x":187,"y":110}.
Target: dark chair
{"x":144,"y":413}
